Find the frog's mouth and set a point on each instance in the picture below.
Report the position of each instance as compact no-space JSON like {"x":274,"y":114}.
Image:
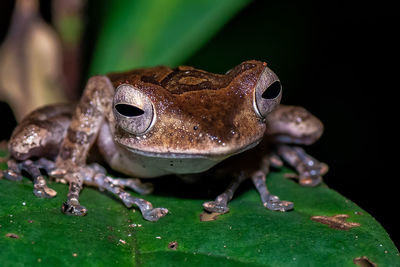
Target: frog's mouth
{"x":218,"y":155}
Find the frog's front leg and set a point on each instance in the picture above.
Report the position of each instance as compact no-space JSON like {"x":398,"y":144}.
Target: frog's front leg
{"x":81,"y":134}
{"x":134,"y":184}
{"x":220,"y":204}
{"x":90,"y":115}
{"x":272,"y":202}
{"x":114,"y":186}
{"x":269,"y":201}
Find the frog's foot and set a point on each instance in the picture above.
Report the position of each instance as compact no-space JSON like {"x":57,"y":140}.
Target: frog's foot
{"x":309,"y":169}
{"x":215,"y":206}
{"x":70,"y":207}
{"x":32,"y":168}
{"x":149,"y":213}
{"x":75,"y":176}
{"x":274,"y":203}
{"x":13,"y":173}
{"x":220,"y":205}
{"x":269,"y":201}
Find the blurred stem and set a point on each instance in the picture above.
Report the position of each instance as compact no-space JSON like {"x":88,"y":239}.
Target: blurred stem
{"x":30,"y":62}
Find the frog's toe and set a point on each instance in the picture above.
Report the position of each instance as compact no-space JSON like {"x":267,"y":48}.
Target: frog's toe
{"x":136,"y":185}
{"x":145,"y":188}
{"x":154,"y":214}
{"x":214,"y":206}
{"x":310,"y":181}
{"x":44,"y":192}
{"x":12,"y":175}
{"x":274,"y":203}
{"x":73,"y":209}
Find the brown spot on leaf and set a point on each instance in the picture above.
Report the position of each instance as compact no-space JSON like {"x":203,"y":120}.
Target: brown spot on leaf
{"x":336,"y":222}
{"x":209,"y":216}
{"x":11,"y":235}
{"x":364,"y":262}
{"x":173,"y":245}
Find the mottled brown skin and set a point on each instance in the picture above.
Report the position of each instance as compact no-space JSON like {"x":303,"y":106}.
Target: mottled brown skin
{"x":158,"y":121}
{"x":197,"y":105}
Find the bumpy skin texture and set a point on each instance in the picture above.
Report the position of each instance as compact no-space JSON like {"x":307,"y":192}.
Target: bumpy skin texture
{"x":186,"y":99}
{"x":196,"y":120}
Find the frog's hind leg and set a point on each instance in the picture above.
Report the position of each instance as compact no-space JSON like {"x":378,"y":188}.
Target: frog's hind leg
{"x":38,"y":136}
{"x":32,"y":168}
{"x":309,"y":169}
{"x":39,"y":183}
{"x":220,"y":204}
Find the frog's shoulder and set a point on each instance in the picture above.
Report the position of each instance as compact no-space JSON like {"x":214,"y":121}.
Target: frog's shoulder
{"x":182,"y":79}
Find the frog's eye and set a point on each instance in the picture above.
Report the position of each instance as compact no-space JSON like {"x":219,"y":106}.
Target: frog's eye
{"x":133,"y":110}
{"x":268,"y":93}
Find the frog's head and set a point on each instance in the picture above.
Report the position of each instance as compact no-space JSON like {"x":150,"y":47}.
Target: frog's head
{"x":190,"y":113}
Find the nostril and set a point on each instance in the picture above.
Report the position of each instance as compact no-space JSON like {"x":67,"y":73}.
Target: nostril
{"x":272,"y":91}
{"x":129,"y":110}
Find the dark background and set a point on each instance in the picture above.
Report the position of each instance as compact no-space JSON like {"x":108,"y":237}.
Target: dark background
{"x":334,"y":58}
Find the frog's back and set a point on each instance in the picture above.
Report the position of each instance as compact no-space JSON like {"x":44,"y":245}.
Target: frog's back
{"x":182,"y":79}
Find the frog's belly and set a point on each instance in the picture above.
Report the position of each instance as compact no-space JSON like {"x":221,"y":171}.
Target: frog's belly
{"x":145,"y":166}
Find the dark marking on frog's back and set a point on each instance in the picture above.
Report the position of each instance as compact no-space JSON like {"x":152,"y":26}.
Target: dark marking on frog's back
{"x":181,"y":79}
{"x":150,"y":79}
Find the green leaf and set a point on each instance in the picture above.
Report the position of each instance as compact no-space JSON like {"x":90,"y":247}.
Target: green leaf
{"x":249,"y":235}
{"x":146,"y":33}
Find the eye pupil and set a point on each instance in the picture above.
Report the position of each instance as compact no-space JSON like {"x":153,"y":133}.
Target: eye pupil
{"x":129,"y":110}
{"x":272,"y":91}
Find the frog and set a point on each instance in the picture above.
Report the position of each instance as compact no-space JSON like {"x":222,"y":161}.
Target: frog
{"x":161,"y":121}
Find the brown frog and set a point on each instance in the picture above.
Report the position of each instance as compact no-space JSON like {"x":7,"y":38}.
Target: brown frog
{"x":159,"y":121}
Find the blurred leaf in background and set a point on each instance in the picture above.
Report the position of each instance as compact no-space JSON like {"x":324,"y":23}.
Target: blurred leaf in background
{"x":30,"y":62}
{"x":146,"y":33}
{"x":40,"y":65}
{"x":68,"y":17}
